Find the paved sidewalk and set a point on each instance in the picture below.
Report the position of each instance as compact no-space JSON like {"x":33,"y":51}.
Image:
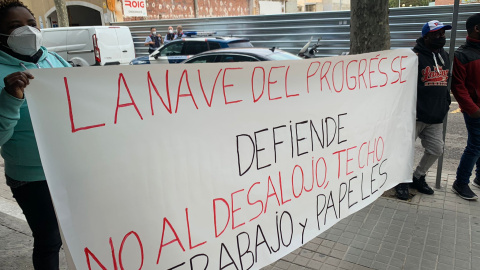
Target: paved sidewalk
{"x":441,"y":231}
{"x":428,"y":232}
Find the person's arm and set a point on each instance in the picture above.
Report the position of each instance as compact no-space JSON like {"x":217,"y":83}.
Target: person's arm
{"x":148,"y":41}
{"x":460,"y":90}
{"x":11,"y":98}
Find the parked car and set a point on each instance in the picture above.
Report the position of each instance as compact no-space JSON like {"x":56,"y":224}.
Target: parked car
{"x":182,"y":49}
{"x":91,"y":45}
{"x":241,"y":55}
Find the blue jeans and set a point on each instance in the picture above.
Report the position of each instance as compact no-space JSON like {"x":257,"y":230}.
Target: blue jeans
{"x":471,"y":153}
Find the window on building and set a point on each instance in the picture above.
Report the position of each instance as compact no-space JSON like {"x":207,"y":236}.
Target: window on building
{"x":310,"y":8}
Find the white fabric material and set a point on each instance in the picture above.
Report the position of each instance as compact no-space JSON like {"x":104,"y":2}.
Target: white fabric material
{"x":153,"y":165}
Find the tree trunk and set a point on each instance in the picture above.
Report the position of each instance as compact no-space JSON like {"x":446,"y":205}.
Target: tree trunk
{"x":369,"y":29}
{"x":62,"y":14}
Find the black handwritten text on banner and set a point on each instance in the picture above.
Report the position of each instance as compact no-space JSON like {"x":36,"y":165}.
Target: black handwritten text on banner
{"x":219,"y":166}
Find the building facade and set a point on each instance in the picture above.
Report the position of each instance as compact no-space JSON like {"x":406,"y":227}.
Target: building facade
{"x":451,"y":2}
{"x":322,"y":5}
{"x":101,"y":12}
{"x":178,"y":9}
{"x":80,"y":13}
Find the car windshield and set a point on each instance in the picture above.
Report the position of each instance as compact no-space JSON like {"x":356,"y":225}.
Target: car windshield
{"x":283,"y":56}
{"x":156,"y":51}
{"x":240,"y":44}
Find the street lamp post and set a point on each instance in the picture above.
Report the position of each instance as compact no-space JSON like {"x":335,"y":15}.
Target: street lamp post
{"x":453,"y":37}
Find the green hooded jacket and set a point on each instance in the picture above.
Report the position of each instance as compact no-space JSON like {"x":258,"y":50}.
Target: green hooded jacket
{"x":17,"y":139}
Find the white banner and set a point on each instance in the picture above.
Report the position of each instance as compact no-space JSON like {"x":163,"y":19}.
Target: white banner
{"x":219,"y":166}
{"x":134,"y":8}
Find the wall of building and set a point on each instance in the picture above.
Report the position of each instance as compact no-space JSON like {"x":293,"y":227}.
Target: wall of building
{"x":45,"y":8}
{"x":178,"y":9}
{"x":451,"y":2}
{"x":324,"y":5}
{"x":156,"y":9}
{"x":38,"y":7}
{"x":183,"y":9}
{"x":443,"y":2}
{"x":290,"y":32}
{"x":271,"y":7}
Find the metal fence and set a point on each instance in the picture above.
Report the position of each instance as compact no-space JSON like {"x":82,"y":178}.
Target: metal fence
{"x":291,"y":31}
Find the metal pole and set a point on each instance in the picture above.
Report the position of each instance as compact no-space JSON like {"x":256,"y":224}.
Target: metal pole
{"x":195,"y":8}
{"x":453,"y":37}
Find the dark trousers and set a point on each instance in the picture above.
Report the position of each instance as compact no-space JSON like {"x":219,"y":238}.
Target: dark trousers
{"x":471,"y":154}
{"x":36,"y":203}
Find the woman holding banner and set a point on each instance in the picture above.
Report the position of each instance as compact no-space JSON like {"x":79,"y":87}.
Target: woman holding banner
{"x":20,"y":51}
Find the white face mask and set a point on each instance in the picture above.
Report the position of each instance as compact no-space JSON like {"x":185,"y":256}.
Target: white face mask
{"x":25,"y":40}
{"x":170,"y":31}
{"x":154,"y":33}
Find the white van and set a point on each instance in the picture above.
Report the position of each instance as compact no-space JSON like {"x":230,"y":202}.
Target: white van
{"x":91,"y":45}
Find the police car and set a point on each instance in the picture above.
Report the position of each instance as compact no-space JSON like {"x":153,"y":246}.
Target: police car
{"x":179,"y":50}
